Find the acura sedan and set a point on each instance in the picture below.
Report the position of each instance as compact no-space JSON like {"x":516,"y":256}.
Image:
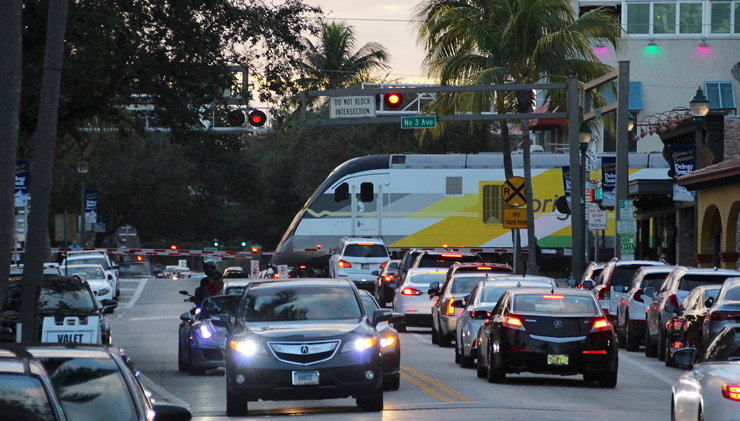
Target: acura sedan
{"x":300,"y":340}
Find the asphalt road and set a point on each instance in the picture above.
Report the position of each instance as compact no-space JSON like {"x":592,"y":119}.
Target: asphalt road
{"x":432,"y":386}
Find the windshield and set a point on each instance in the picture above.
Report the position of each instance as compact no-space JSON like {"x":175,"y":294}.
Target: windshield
{"x":554,"y":303}
{"x":444,"y":261}
{"x":236,"y":275}
{"x":137,"y":269}
{"x":87,"y":273}
{"x":283,"y":304}
{"x":365,"y":250}
{"x":235,"y":290}
{"x":731,"y":293}
{"x":90,"y":389}
{"x":426,"y":278}
{"x":90,"y":261}
{"x":623,"y":274}
{"x":23,"y":398}
{"x":691,"y":281}
{"x":368,"y":304}
{"x":222,"y":304}
{"x":724,"y":347}
{"x":57,"y":296}
{"x":654,"y":280}
{"x":466,"y":284}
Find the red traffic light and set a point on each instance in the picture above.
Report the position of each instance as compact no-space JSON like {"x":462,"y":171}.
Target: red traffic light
{"x":255,"y":250}
{"x":173,"y":247}
{"x":257,"y":118}
{"x":236,"y":118}
{"x":393,"y":101}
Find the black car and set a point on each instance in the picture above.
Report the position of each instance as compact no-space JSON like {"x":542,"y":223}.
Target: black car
{"x":386,"y":288}
{"x":684,"y":330}
{"x":60,"y":297}
{"x":25,"y":390}
{"x":135,"y":270}
{"x":548,"y":331}
{"x":303,"y":339}
{"x":390,"y":343}
{"x":95,"y":382}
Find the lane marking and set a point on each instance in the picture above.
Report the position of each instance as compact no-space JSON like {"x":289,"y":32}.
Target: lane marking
{"x":650,"y":370}
{"x":140,"y":319}
{"x":419,"y":337}
{"x":429,"y":391}
{"x":137,"y":294}
{"x":127,"y":289}
{"x":439,"y":385}
{"x":162,"y":392}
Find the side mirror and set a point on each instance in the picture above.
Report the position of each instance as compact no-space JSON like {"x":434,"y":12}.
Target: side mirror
{"x":170,"y":413}
{"x":110,"y":277}
{"x":185,"y":317}
{"x":433,"y":288}
{"x":398,"y":318}
{"x":184,"y":293}
{"x":116,"y":267}
{"x":588,"y":284}
{"x":331,"y":252}
{"x":684,"y":357}
{"x":382,"y":315}
{"x":458,"y":304}
{"x":649,"y":292}
{"x":375,"y":273}
{"x":670,"y":308}
{"x":709,"y":302}
{"x":108,"y":305}
{"x":572,"y":282}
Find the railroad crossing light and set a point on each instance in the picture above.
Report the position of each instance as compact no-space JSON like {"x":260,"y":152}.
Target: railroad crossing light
{"x":236,"y":118}
{"x":392,"y":101}
{"x":257,"y":118}
{"x":139,"y":258}
{"x":255,"y":250}
{"x":173,"y":247}
{"x":244,"y":243}
{"x":562,"y":205}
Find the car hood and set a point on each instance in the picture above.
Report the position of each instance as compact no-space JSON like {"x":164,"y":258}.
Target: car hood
{"x":98,"y":284}
{"x":307,"y":330}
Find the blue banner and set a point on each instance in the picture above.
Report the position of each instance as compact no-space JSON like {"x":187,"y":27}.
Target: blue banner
{"x":91,"y":206}
{"x":566,"y":181}
{"x":609,"y":180}
{"x":21,"y":183}
{"x":684,"y":161}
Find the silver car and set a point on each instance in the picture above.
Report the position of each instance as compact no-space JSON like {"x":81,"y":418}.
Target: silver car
{"x":478,"y":307}
{"x":411,"y":298}
{"x":710,"y":390}
{"x":724,"y":311}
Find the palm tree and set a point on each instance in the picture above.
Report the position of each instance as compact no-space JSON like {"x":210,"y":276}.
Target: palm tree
{"x":333,"y":63}
{"x":483,"y":42}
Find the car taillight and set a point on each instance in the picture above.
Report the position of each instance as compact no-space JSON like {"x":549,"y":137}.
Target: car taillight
{"x":473,"y":313}
{"x":638,"y":296}
{"x":344,"y":264}
{"x":731,"y":391}
{"x":410,"y":291}
{"x":450,"y":309}
{"x":719,"y":315}
{"x":595,"y":352}
{"x":388,"y":278}
{"x":382,"y":265}
{"x":600,"y":324}
{"x":513,"y":323}
{"x":604,"y":293}
{"x":673,"y":300}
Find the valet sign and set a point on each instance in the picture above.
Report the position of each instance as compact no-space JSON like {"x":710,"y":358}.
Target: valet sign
{"x":352,"y":106}
{"x":684,"y":160}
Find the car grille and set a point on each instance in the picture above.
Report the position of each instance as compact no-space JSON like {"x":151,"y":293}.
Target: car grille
{"x":304,"y":353}
{"x":213,"y":354}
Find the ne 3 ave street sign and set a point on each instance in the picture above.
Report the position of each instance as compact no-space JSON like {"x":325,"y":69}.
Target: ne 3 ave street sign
{"x":426,"y":122}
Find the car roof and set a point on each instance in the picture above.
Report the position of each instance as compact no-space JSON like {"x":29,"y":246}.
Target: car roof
{"x":354,"y":240}
{"x":560,"y":291}
{"x":237,"y":283}
{"x":639,"y":262}
{"x":68,"y":351}
{"x":53,"y":278}
{"x":513,"y":284}
{"x":447,"y":253}
{"x":658,"y":269}
{"x":81,"y":254}
{"x":303,"y":282}
{"x":532,"y":278}
{"x":427,"y":270}
{"x":707,"y":271}
{"x":85,"y":265}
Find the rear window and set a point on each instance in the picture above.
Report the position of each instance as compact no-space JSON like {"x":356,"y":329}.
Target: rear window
{"x":284,"y":304}
{"x":58,"y":296}
{"x":623,"y":274}
{"x":87,"y":273}
{"x":90,"y":261}
{"x":465,"y":285}
{"x":23,"y":398}
{"x":444,"y":261}
{"x":731,"y":294}
{"x":554,"y":303}
{"x":492,"y":294}
{"x":654,"y":280}
{"x":426,"y":278}
{"x":369,"y":250}
{"x":689,"y":281}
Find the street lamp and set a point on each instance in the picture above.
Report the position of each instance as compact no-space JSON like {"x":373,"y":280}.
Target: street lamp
{"x":699,"y":107}
{"x":82,"y":169}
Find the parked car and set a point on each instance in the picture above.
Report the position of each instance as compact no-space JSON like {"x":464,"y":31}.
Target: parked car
{"x":238,"y":272}
{"x":390,"y":343}
{"x":630,"y":324}
{"x":710,"y":390}
{"x":614,"y":281}
{"x":386,"y":288}
{"x":412,"y":299}
{"x":359,"y":260}
{"x":684,"y":329}
{"x":592,"y":272}
{"x":477,"y":308}
{"x":676,"y":287}
{"x":724,"y":308}
{"x":25,"y":390}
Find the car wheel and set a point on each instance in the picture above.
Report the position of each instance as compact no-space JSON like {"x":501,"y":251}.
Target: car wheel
{"x":442,"y":340}
{"x":480,"y":370}
{"x":661,"y":342}
{"x":182,"y":362}
{"x":435,"y":338}
{"x":631,"y":341}
{"x":466,"y":362}
{"x":392,"y":382}
{"x":457,"y":355}
{"x":608,"y":380}
{"x":373,"y":403}
{"x":650,"y":346}
{"x":494,"y":375}
{"x":621,"y":340}
{"x":236,"y":406}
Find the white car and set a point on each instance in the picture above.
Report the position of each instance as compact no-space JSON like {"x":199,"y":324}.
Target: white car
{"x":359,"y":260}
{"x":710,"y":390}
{"x":99,"y":281}
{"x":95,"y":258}
{"x":613,"y":280}
{"x":630,"y":325}
{"x":412,"y":298}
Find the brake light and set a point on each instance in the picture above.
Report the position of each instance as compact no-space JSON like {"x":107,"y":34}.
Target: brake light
{"x":719,"y":315}
{"x":365,"y":244}
{"x":731,"y":391}
{"x":600,"y":324}
{"x":484,"y":268}
{"x":382,"y":265}
{"x":673,"y":300}
{"x":475,"y":342}
{"x":553,"y":297}
{"x":473,"y":313}
{"x":344,"y":264}
{"x":450,"y":309}
{"x":638,"y":296}
{"x":277,"y":275}
{"x":452,"y":255}
{"x":410,"y":291}
{"x":604,"y":293}
{"x":520,"y":350}
{"x":513,"y":323}
{"x":388,"y":278}
{"x":597,"y":352}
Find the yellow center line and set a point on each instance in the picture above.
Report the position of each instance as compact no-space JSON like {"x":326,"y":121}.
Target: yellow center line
{"x":431,"y":392}
{"x":441,"y":386}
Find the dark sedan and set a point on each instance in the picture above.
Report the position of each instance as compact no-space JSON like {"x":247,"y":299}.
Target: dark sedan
{"x":684,"y":330}
{"x":548,"y":331}
{"x":299,"y":340}
{"x":390,"y":343}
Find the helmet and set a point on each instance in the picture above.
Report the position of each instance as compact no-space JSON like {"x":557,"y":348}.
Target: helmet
{"x":209,"y":267}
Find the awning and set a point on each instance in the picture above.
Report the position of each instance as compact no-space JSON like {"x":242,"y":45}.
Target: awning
{"x":545,"y":123}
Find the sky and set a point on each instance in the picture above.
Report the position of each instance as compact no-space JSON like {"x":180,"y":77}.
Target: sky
{"x":397,"y":36}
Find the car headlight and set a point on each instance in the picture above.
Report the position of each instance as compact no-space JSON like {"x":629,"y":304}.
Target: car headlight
{"x":204,"y":332}
{"x":247,"y":348}
{"x":104,"y":291}
{"x":387,"y":342}
{"x":360,"y":344}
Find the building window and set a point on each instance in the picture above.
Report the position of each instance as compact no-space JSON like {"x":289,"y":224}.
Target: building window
{"x":493,"y":204}
{"x":721,"y":15}
{"x":690,"y":18}
{"x":454,"y":186}
{"x":664,"y":18}
{"x":737,"y":17}
{"x":721,"y":95}
{"x":638,"y":18}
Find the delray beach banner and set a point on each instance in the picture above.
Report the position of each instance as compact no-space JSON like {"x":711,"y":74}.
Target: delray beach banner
{"x":91,"y":206}
{"x":684,"y":161}
{"x":609,"y":180}
{"x":566,"y":181}
{"x":21,"y":183}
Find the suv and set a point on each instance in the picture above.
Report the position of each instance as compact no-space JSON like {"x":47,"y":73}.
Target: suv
{"x":614,"y":281}
{"x":359,"y":260}
{"x":407,"y":260}
{"x":95,"y":257}
{"x":592,"y":272}
{"x":437,"y":259}
{"x":665,"y":302}
{"x":25,"y":390}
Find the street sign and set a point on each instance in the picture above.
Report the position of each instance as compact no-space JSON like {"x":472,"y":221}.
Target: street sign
{"x":425,"y":122}
{"x":515,"y":218}
{"x":627,"y":245}
{"x":596,"y":219}
{"x":283,"y":271}
{"x":352,"y":106}
{"x":207,"y":258}
{"x":513,"y":192}
{"x":628,"y":226}
{"x":255,"y":267}
{"x":626,"y":209}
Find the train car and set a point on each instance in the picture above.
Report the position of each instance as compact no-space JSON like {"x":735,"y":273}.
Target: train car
{"x":435,"y":201}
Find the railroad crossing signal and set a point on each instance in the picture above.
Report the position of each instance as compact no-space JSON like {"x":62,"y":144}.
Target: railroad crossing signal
{"x":513,"y":192}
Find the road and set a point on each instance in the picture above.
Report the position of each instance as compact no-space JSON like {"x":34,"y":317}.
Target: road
{"x":432,"y":386}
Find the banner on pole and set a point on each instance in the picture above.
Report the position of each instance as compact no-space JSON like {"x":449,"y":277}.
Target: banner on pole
{"x":684,"y":161}
{"x":609,"y":180}
{"x":21,"y":183}
{"x":91,"y":206}
{"x":566,"y":181}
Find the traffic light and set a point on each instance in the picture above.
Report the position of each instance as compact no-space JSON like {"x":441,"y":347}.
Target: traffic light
{"x":257,"y":118}
{"x":255,"y":250}
{"x":173,"y":247}
{"x":139,"y":258}
{"x":215,"y":244}
{"x":244,"y":243}
{"x":236,"y":118}
{"x":591,"y":195}
{"x":561,"y":204}
{"x":599,"y":194}
{"x":392,"y":100}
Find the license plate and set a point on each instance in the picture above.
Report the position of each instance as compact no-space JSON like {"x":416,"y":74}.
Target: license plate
{"x":557,"y":359}
{"x":366,"y":265}
{"x":301,"y":378}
